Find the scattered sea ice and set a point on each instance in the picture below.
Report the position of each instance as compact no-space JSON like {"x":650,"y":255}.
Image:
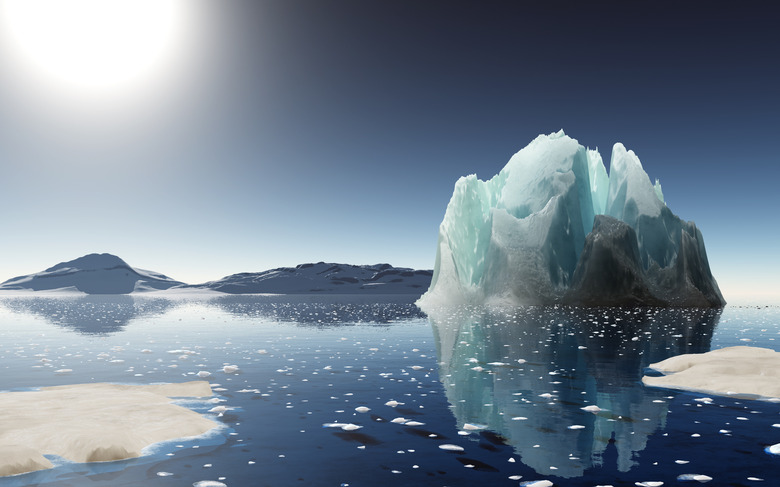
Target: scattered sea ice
{"x":592,"y":408}
{"x":209,"y":483}
{"x":393,"y":403}
{"x":362,"y":409}
{"x":203,"y":374}
{"x":230,"y":369}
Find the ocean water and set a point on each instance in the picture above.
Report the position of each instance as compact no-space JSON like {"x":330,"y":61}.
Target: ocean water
{"x":368,"y":391}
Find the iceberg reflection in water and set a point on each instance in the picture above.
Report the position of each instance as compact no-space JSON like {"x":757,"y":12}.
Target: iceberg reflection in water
{"x":526,"y":374}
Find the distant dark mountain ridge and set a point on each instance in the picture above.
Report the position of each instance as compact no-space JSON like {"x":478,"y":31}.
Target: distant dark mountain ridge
{"x":108,"y":274}
{"x":326,"y":278}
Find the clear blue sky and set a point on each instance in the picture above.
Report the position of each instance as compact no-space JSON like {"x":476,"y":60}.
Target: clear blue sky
{"x":285,"y":132}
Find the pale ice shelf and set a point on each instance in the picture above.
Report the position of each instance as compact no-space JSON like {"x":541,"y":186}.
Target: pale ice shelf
{"x":553,"y":227}
{"x":750,"y":372}
{"x":93,"y":422}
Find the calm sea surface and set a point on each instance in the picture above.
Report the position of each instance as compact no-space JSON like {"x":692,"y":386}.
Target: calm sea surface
{"x":368,"y":391}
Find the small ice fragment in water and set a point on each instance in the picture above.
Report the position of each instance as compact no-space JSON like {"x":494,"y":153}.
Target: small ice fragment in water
{"x":203,"y":374}
{"x":497,"y":364}
{"x":519,"y":418}
{"x":451,"y":447}
{"x":681,"y":462}
{"x":472,"y":427}
{"x":164,"y":474}
{"x":413,"y":423}
{"x":399,"y":420}
{"x":694,"y":476}
{"x":774,"y":449}
{"x":591,"y":409}
{"x":351,"y":427}
{"x":230,"y":369}
{"x":209,"y":483}
{"x":650,"y":483}
{"x":416,"y":367}
{"x":576,"y":427}
{"x":520,"y":361}
{"x":515,"y":477}
{"x":393,"y":403}
{"x":537,"y":483}
{"x":362,"y":409}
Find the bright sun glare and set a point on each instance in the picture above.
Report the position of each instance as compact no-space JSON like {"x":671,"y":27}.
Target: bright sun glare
{"x":93,"y":45}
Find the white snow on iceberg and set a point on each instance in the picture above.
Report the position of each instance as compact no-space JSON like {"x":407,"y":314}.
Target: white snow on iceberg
{"x":553,"y":227}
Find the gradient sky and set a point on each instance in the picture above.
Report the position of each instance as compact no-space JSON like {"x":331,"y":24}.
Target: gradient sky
{"x":287,"y":131}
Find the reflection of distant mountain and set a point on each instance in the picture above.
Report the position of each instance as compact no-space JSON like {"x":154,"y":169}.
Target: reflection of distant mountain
{"x":92,"y":315}
{"x":573,"y":358}
{"x":322,"y":310}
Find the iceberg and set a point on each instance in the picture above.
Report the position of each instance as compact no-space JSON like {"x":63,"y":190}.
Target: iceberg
{"x":553,"y":227}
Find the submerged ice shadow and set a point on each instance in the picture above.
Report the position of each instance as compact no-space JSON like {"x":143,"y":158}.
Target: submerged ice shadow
{"x":90,"y":315}
{"x":526,"y":373}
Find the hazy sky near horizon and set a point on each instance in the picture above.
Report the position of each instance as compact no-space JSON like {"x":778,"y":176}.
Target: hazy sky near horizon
{"x":281,"y":132}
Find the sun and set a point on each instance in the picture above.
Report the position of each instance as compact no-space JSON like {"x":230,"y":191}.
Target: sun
{"x":92,"y":46}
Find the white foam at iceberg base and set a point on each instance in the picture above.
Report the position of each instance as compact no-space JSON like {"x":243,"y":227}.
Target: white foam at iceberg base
{"x":93,"y":422}
{"x":727,"y":371}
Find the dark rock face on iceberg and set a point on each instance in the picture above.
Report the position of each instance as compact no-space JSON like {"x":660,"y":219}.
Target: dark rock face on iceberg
{"x":92,"y":274}
{"x":553,"y":227}
{"x":610,"y":270}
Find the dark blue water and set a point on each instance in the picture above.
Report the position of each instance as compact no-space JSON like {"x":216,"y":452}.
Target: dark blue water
{"x":506,"y":386}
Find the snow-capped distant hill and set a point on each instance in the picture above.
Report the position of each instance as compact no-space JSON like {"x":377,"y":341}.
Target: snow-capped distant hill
{"x":92,"y":274}
{"x":326,"y":278}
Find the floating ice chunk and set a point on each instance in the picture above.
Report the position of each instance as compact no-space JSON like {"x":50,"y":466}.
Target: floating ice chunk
{"x":399,"y":420}
{"x":146,"y":350}
{"x":576,"y":427}
{"x":209,"y":483}
{"x":727,"y":371}
{"x":521,"y":361}
{"x":681,"y":462}
{"x":473,"y":427}
{"x":519,"y":418}
{"x":515,"y":477}
{"x":63,"y":371}
{"x":774,"y":449}
{"x":592,"y":408}
{"x":344,"y":426}
{"x":451,"y":447}
{"x":203,"y":374}
{"x":262,"y":351}
{"x":413,"y":423}
{"x":393,"y":403}
{"x":416,"y":367}
{"x":230,"y":369}
{"x":694,"y":476}
{"x":497,"y":364}
{"x":220,"y":410}
{"x":536,"y":483}
{"x":649,"y":483}
{"x":362,"y":409}
{"x":164,"y":474}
